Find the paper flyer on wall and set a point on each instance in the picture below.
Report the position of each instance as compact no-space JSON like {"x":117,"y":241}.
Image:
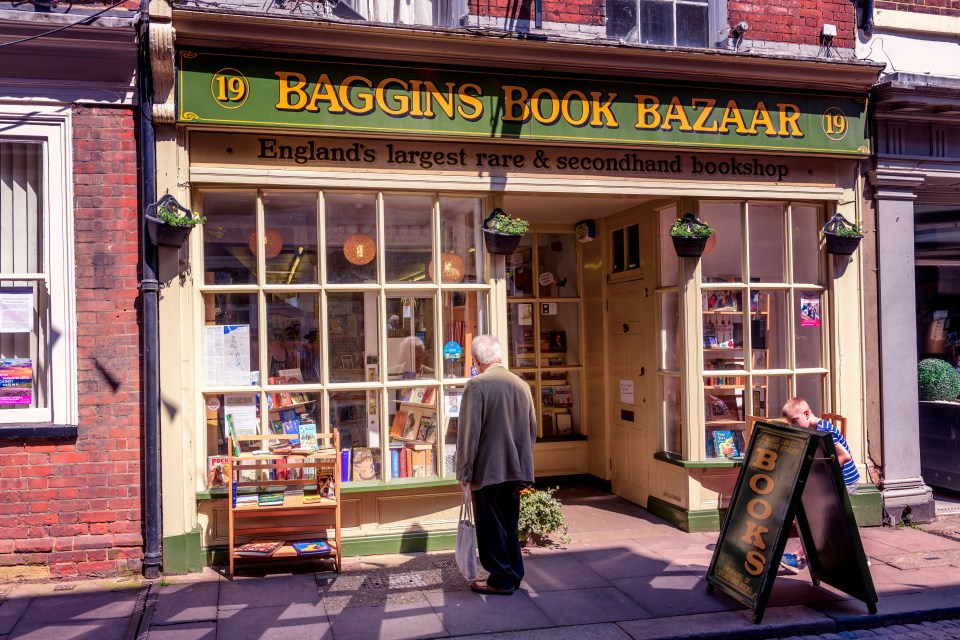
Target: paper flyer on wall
{"x":228,"y":354}
{"x":16,"y":381}
{"x":451,"y":401}
{"x":809,"y":309}
{"x":16,"y":310}
{"x":243,"y":410}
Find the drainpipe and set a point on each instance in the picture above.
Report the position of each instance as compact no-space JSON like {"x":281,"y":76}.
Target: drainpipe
{"x":149,"y":293}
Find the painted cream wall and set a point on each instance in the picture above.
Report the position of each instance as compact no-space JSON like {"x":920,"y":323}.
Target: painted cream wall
{"x":917,"y":43}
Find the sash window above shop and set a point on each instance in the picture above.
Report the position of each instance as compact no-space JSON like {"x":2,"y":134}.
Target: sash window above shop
{"x":438,"y":13}
{"x":681,"y":23}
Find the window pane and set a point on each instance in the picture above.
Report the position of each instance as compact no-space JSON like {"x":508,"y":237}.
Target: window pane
{"x":21,"y":250}
{"x":520,"y":332}
{"x":768,"y":396}
{"x":230,"y":338}
{"x":559,"y":403}
{"x":520,"y":269}
{"x":414,"y":434}
{"x":290,"y":238}
{"x":668,"y":257}
{"x":766,"y":243}
{"x":408,"y":236}
{"x":464,"y":314}
{"x":692,"y":25}
{"x":351,"y":415}
{"x":810,"y":388}
{"x":293,"y":321}
{"x":351,"y":228}
{"x":724,"y":411}
{"x":805,"y":236}
{"x":722,"y":329}
{"x":656,"y":22}
{"x":460,"y":234}
{"x":352,"y":335}
{"x":410,"y":354}
{"x":671,"y":393}
{"x":722,"y":257}
{"x":559,"y":335}
{"x":622,"y":20}
{"x":669,"y":336}
{"x":768,"y":330}
{"x":451,"y":417}
{"x":23,"y":379}
{"x":809,"y":323}
{"x":227,"y":234}
{"x":557,"y":264}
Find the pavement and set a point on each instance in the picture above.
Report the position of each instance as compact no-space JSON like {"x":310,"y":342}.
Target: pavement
{"x":623,"y":575}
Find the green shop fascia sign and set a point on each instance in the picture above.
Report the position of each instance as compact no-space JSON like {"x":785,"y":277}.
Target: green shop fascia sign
{"x":313,"y":94}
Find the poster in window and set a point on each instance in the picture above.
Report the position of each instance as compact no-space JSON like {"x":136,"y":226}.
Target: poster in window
{"x":809,"y":309}
{"x":16,"y":382}
{"x":228,"y":354}
{"x":16,"y":310}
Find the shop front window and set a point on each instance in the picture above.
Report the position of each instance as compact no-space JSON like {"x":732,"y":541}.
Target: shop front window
{"x":351,"y":342}
{"x":762,"y":326}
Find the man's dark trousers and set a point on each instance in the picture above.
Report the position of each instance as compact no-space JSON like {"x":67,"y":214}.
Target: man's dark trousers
{"x":497,"y":517}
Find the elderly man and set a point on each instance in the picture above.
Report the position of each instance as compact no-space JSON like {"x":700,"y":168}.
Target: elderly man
{"x":498,"y":426}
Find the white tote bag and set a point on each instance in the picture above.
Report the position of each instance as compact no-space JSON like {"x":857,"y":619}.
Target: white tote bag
{"x":466,"y":554}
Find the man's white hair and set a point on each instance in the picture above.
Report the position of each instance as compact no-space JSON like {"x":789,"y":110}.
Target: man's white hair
{"x":486,"y":350}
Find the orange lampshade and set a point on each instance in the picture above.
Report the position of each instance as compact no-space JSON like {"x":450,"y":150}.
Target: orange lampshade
{"x":272,"y":243}
{"x":359,"y":249}
{"x":452,"y":268}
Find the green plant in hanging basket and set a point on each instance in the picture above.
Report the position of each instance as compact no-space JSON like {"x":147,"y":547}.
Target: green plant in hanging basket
{"x":689,"y":226}
{"x":847,"y":229}
{"x":506,"y":224}
{"x":169,"y":213}
{"x":540,"y":515}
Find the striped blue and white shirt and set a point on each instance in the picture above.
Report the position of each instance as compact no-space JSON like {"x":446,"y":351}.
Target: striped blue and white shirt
{"x":850,"y":473}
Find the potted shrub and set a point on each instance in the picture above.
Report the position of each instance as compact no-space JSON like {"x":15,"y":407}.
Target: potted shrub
{"x":502,"y":232}
{"x":938,"y":386}
{"x":169,"y":223}
{"x":540,"y":515}
{"x":690,"y":236}
{"x":842,"y":236}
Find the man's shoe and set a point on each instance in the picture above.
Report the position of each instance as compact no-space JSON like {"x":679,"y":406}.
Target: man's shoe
{"x":790,"y":562}
{"x":482,"y":587}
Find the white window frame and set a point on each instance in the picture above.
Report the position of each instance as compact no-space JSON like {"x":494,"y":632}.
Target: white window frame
{"x":51,"y":126}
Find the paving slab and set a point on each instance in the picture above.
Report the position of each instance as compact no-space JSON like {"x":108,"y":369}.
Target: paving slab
{"x":465,"y":612}
{"x":625,"y":560}
{"x":188,"y":631}
{"x":587,"y":606}
{"x":591,"y":631}
{"x":186,"y":602}
{"x":84,"y":606}
{"x":268,"y":591}
{"x":33,"y":629}
{"x":290,"y":622}
{"x":388,"y":622}
{"x":797,"y":619}
{"x":12,"y":607}
{"x":559,"y":572}
{"x":675,"y":594}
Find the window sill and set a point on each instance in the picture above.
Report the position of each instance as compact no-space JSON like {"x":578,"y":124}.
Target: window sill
{"x":574,"y":437}
{"x":356,"y":487}
{"x":675,"y":459}
{"x":20,"y":432}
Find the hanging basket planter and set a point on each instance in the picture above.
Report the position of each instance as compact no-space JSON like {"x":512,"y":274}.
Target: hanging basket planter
{"x":500,"y":244}
{"x":842,"y":236}
{"x":689,"y":247}
{"x":169,"y":223}
{"x":502,"y":233}
{"x":690,"y":236}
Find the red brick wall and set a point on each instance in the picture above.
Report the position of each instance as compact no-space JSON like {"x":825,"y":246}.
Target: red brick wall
{"x":796,"y":21}
{"x":588,"y":12}
{"x":74,"y":505}
{"x":935,"y":7}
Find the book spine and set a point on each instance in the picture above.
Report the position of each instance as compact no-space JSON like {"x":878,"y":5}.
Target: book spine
{"x":394,"y":463}
{"x":404,"y":462}
{"x":345,"y":465}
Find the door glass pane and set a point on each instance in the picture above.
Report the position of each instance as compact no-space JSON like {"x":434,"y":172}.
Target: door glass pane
{"x":520,"y":270}
{"x":669,"y":336}
{"x":557,"y":264}
{"x":669,"y":264}
{"x":722,"y":257}
{"x":618,"y":250}
{"x":559,"y":403}
{"x":766,"y":243}
{"x":408,"y":236}
{"x":520,"y":335}
{"x":231,"y":224}
{"x":559,"y":334}
{"x":656,"y":22}
{"x":410,"y":346}
{"x":805,"y":235}
{"x":463,"y":319}
{"x":289,"y":238}
{"x":672,"y":422}
{"x":293,"y":322}
{"x":692,"y":25}
{"x":809,"y":323}
{"x":460,"y":235}
{"x":231,"y":338}
{"x":352,"y":336}
{"x":351,"y":228}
